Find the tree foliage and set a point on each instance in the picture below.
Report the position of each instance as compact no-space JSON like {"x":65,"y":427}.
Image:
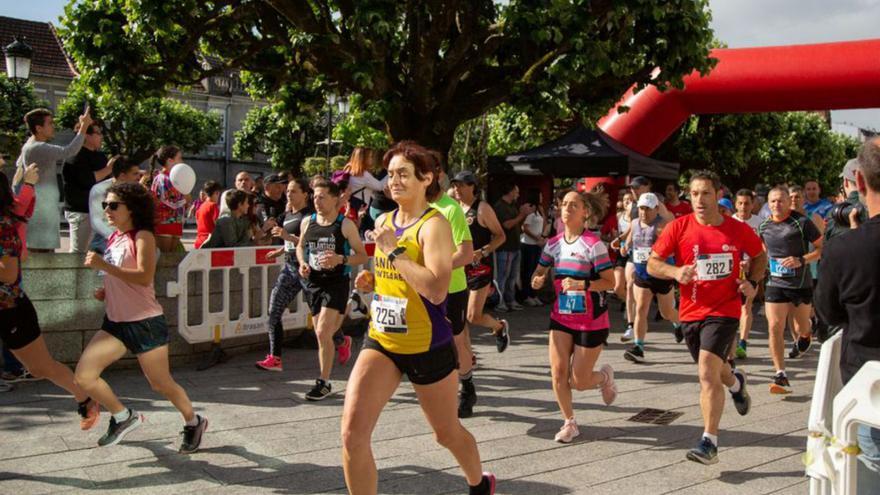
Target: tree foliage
{"x":16,"y":99}
{"x":768,"y":148}
{"x":429,"y":66}
{"x":286,"y":140}
{"x":137,"y":127}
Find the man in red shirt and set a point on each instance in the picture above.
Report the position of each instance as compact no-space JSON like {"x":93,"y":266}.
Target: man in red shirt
{"x":708,"y":249}
{"x":674,"y":204}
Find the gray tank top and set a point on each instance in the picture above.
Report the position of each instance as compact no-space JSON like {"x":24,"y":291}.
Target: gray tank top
{"x":643,"y":239}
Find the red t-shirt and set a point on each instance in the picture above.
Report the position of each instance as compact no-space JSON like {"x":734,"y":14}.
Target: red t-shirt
{"x":717,"y":252}
{"x":206,"y":217}
{"x":683,"y":208}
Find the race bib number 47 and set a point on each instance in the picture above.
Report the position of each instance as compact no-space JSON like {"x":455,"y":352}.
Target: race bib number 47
{"x":714,"y":266}
{"x":389,"y":314}
{"x":573,"y":302}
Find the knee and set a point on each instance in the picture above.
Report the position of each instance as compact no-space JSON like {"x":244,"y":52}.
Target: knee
{"x":82,"y":379}
{"x":560,"y":374}
{"x":447,"y":437}
{"x":579,"y":384}
{"x":162,"y":387}
{"x":354,"y":438}
{"x":708,"y":378}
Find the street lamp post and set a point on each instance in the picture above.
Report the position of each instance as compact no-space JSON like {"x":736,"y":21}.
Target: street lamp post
{"x":18,"y":60}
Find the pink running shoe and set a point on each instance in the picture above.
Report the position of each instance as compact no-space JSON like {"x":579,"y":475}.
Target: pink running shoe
{"x":343,"y":352}
{"x":609,"y":388}
{"x":568,"y":432}
{"x":271,"y":363}
{"x":491,"y":477}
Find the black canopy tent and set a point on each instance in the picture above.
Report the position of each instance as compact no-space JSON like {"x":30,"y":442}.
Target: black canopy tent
{"x":583,"y":153}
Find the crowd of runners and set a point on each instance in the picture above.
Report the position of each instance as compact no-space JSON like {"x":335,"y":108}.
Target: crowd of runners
{"x":704,"y":254}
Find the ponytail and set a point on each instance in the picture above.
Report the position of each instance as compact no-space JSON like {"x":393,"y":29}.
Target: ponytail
{"x":159,"y":158}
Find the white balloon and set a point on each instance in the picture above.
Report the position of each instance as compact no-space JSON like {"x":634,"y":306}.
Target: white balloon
{"x":183,"y":178}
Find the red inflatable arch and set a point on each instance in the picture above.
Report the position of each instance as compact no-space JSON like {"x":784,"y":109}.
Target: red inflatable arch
{"x":828,"y":76}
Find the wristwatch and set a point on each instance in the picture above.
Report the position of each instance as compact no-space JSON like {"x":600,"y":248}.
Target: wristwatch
{"x":801,"y":259}
{"x":395,"y":253}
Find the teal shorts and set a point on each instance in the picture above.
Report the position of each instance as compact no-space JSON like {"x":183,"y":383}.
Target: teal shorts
{"x":139,"y":336}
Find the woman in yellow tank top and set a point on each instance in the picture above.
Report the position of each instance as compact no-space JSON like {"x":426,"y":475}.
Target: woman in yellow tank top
{"x":409,"y":333}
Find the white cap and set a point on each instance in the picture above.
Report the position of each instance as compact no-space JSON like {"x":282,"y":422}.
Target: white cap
{"x":648,"y":200}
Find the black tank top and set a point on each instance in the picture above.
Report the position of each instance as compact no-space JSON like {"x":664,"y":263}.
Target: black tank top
{"x":481,"y":235}
{"x":320,"y":238}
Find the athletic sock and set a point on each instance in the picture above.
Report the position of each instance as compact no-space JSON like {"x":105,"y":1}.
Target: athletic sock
{"x":712,"y":438}
{"x":481,"y":489}
{"x":194,"y":421}
{"x":781,"y":372}
{"x":122,"y":415}
{"x":640,"y":343}
{"x":736,"y":386}
{"x":467,"y":385}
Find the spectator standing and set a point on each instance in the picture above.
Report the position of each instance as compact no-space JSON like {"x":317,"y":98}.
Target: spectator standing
{"x":677,"y":206}
{"x":43,"y":228}
{"x":362,"y":184}
{"x":244,"y":182}
{"x":815,"y":202}
{"x":170,"y":203}
{"x":270,"y":207}
{"x":233,"y":229}
{"x":507,"y":256}
{"x":87,"y":168}
{"x":124,"y":170}
{"x":848,"y":296}
{"x":532,"y":243}
{"x":208,"y":212}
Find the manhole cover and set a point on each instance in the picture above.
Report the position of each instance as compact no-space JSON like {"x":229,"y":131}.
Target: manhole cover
{"x":656,"y":416}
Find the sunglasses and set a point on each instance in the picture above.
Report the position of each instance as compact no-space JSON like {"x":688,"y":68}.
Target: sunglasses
{"x":113,"y":205}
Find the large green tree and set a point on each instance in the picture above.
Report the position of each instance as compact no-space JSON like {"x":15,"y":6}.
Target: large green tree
{"x":768,"y":148}
{"x":430,"y":65}
{"x":137,"y":127}
{"x":16,"y":99}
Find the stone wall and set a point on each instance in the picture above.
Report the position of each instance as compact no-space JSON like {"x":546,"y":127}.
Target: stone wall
{"x":62,"y":291}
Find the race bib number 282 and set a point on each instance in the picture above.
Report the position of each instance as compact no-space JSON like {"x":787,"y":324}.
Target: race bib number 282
{"x":714,"y":266}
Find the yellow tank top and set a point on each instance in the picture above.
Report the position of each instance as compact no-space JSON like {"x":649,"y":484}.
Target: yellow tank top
{"x":401,"y":320}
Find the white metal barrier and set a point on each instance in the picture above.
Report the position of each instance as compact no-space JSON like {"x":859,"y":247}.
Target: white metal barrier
{"x":835,"y":413}
{"x":220,"y":312}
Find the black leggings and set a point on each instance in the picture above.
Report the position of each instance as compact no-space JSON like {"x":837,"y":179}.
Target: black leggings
{"x":286,"y":288}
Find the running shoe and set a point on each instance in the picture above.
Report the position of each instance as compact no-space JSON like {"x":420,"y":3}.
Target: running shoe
{"x":343,"y":351}
{"x":628,"y":334}
{"x":780,"y":385}
{"x":358,"y":308}
{"x":678,"y":332}
{"x":271,"y":363}
{"x":515,"y":306}
{"x":467,"y":399}
{"x":192,"y":436}
{"x":795,"y":351}
{"x":705,"y":452}
{"x":741,"y":400}
{"x":568,"y":432}
{"x":89,"y":413}
{"x":492,"y":481}
{"x":117,"y":431}
{"x":635,"y":354}
{"x":609,"y":388}
{"x":502,"y":337}
{"x":741,"y":352}
{"x":804,"y":343}
{"x":24,"y":376}
{"x":320,"y":391}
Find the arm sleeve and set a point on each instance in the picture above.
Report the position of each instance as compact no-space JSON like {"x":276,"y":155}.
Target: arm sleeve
{"x":460,"y":230}
{"x":55,"y":152}
{"x":826,"y":299}
{"x":666,"y":243}
{"x":371,"y":182}
{"x":548,"y":255}
{"x":221,"y":234}
{"x":165,"y":192}
{"x":811,"y":231}
{"x":600,"y":259}
{"x":752,"y":243}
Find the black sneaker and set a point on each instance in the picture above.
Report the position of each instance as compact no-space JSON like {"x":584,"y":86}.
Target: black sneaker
{"x":741,"y":400}
{"x":804,"y":343}
{"x":635,"y":354}
{"x":780,"y":385}
{"x":466,"y":401}
{"x":705,"y":452}
{"x":117,"y":431}
{"x":502,"y":338}
{"x":795,"y":351}
{"x":678,"y":332}
{"x":320,"y":391}
{"x":192,"y":436}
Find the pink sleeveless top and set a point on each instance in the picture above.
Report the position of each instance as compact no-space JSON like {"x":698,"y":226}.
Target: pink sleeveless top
{"x":126,"y":301}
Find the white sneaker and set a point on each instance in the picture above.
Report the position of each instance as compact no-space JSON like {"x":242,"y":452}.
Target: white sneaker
{"x":515,"y":306}
{"x":609,"y":388}
{"x":627,"y":335}
{"x":568,"y":432}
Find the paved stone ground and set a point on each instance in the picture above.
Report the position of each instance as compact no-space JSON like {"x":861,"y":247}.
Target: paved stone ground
{"x":264,"y":438}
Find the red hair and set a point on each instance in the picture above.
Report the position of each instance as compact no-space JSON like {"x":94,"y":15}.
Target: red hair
{"x":424,"y":161}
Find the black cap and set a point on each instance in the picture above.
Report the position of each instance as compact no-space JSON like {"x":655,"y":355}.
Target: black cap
{"x":465,"y":176}
{"x":276,"y":179}
{"x":640,"y":181}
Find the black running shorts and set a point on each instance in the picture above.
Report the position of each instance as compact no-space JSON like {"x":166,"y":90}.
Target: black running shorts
{"x":331,"y":294}
{"x":423,"y":368}
{"x":456,"y":310}
{"x":655,"y":285}
{"x":780,"y":295}
{"x":139,"y":336}
{"x":19,"y":325}
{"x":714,"y":334}
{"x":583,"y":338}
